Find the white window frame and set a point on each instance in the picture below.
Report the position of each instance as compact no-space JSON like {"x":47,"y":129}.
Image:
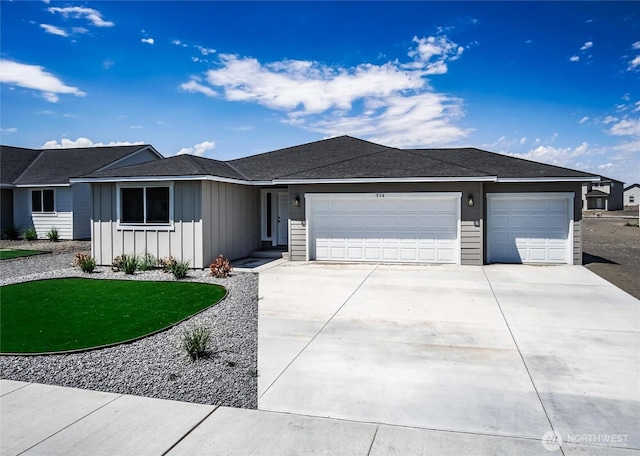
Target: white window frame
{"x":42,"y":200}
{"x":144,"y":226}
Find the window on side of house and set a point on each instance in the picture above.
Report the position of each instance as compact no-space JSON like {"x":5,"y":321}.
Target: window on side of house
{"x":145,"y":205}
{"x":632,"y":199}
{"x":42,"y":201}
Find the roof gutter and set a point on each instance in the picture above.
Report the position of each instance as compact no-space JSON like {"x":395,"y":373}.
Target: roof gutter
{"x":548,"y":179}
{"x":226,"y":180}
{"x":363,"y":180}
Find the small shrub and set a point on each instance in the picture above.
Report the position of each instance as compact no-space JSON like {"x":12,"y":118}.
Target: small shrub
{"x":221,"y":267}
{"x":117,"y":264}
{"x":129,"y":264}
{"x":85,"y":262}
{"x":30,"y":234}
{"x":180,"y":269}
{"x":167,"y":264}
{"x":195,"y":341}
{"x":635,"y":225}
{"x":147,"y":261}
{"x":53,"y":235}
{"x":11,"y":233}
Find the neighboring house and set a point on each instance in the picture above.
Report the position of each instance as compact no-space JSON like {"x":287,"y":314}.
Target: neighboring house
{"x":632,"y":195}
{"x":342,"y":199}
{"x":605,"y":195}
{"x":36,"y":191}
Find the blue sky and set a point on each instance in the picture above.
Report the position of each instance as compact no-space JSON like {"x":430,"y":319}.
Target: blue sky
{"x":553,"y":82}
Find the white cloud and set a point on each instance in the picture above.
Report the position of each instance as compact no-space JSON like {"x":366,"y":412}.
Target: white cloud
{"x":586,"y":45}
{"x":559,"y":156}
{"x":605,"y":165}
{"x":626,"y":127}
{"x":634,"y":63}
{"x":137,"y":127}
{"x":195,"y":87}
{"x":9,"y":130}
{"x":79,"y":12}
{"x":636,"y":45}
{"x":391,"y":102}
{"x":583,"y":120}
{"x":148,"y":40}
{"x":35,"y":77}
{"x":205,"y":51}
{"x":85,"y":142}
{"x":198,"y":149}
{"x":574,"y":58}
{"x":432,"y":53}
{"x":609,"y":119}
{"x":523,"y":140}
{"x":53,"y":30}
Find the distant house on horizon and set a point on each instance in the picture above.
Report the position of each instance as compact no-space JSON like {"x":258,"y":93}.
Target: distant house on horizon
{"x":36,"y":191}
{"x":606,"y":195}
{"x":632,"y":195}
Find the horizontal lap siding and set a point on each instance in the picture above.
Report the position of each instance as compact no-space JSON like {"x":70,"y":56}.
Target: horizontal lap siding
{"x":298,"y":244}
{"x":471,"y":243}
{"x":577,"y":242}
{"x":61,"y":219}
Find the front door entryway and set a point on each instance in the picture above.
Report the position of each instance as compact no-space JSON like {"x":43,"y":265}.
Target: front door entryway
{"x":275,"y":217}
{"x":283,"y":218}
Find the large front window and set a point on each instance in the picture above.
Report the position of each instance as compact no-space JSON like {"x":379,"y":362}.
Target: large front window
{"x":42,"y":201}
{"x":145,"y":205}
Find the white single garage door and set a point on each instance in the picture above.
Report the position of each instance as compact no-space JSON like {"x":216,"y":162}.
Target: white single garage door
{"x":530,"y":228}
{"x":393,"y":227}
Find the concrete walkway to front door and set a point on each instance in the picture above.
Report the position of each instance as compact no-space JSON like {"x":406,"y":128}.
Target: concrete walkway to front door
{"x":500,"y":350}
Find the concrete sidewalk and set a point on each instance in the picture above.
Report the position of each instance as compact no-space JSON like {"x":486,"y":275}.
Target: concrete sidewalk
{"x":52,"y":420}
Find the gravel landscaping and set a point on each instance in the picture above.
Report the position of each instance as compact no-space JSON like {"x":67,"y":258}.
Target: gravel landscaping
{"x":153,"y":366}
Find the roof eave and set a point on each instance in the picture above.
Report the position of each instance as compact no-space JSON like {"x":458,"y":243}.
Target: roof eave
{"x":41,"y":185}
{"x":547,"y":179}
{"x":115,"y":179}
{"x":378,"y":180}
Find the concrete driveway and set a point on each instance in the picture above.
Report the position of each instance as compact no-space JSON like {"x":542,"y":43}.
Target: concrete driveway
{"x":501,"y":350}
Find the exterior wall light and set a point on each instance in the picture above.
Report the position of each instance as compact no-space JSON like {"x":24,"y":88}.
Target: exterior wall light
{"x":296,"y":201}
{"x":470,"y":201}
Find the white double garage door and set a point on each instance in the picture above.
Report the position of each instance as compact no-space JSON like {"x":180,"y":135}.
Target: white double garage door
{"x":426,"y":228}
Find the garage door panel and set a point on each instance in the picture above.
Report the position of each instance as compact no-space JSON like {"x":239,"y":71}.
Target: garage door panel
{"x":529,"y":229}
{"x":413,"y":229}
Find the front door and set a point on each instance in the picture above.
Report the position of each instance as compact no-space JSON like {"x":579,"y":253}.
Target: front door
{"x":283,"y":218}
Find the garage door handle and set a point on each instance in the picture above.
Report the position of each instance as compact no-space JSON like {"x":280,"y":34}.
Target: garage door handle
{"x":278,"y":219}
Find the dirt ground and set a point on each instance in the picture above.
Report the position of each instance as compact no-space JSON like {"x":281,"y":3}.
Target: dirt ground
{"x":612,"y":250}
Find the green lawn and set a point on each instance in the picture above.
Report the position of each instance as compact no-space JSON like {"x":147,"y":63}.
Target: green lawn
{"x":72,"y":314}
{"x":6,"y":254}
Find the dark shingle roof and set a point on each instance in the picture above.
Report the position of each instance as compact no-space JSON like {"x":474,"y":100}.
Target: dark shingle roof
{"x":345,"y":157}
{"x":298,"y":159}
{"x":56,"y":166}
{"x":14,"y":161}
{"x":386,"y":164}
{"x":502,"y":166}
{"x":631,"y":186}
{"x":181,"y":165}
{"x":595,"y":193}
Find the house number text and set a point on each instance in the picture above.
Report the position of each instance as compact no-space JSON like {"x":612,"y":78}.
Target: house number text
{"x":379,"y":195}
